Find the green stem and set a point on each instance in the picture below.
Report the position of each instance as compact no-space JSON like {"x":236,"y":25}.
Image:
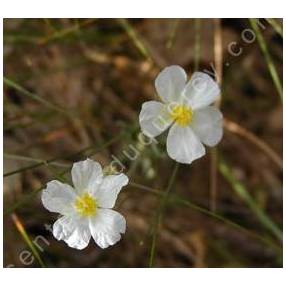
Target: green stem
{"x":184,"y":202}
{"x":29,"y":159}
{"x":133,"y":35}
{"x":35,"y":97}
{"x":243,"y":194}
{"x":27,"y":239}
{"x":263,"y":46}
{"x":275,"y":26}
{"x":46,"y":162}
{"x":159,"y":215}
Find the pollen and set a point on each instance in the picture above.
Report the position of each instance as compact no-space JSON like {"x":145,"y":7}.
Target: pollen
{"x":182,"y":115}
{"x":85,"y":205}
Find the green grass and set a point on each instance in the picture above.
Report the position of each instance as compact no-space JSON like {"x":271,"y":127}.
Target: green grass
{"x":269,"y":61}
{"x":241,"y":191}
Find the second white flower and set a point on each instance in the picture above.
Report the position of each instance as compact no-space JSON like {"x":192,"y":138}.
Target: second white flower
{"x":184,"y":107}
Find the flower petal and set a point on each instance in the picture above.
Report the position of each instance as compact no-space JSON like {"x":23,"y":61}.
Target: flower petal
{"x":58,"y":197}
{"x":86,"y":175}
{"x":207,"y":125}
{"x":73,"y":230}
{"x":107,"y":193}
{"x":154,"y":118}
{"x":106,"y":227}
{"x":170,"y":83}
{"x":201,"y":91}
{"x":183,"y":145}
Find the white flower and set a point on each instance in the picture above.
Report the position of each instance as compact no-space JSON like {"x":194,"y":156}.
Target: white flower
{"x":186,"y":109}
{"x":86,"y":208}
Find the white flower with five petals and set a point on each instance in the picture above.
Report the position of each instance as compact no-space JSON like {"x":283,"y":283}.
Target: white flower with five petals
{"x":86,"y":209}
{"x":186,"y":108}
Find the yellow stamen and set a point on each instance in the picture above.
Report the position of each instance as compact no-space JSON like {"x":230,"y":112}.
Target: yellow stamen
{"x":86,"y":205}
{"x":182,"y":114}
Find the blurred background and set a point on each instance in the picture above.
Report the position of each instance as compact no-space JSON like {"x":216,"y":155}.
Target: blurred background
{"x":73,"y":88}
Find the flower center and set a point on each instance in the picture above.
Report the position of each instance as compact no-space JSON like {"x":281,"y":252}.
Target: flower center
{"x":85,"y":205}
{"x":182,"y":114}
